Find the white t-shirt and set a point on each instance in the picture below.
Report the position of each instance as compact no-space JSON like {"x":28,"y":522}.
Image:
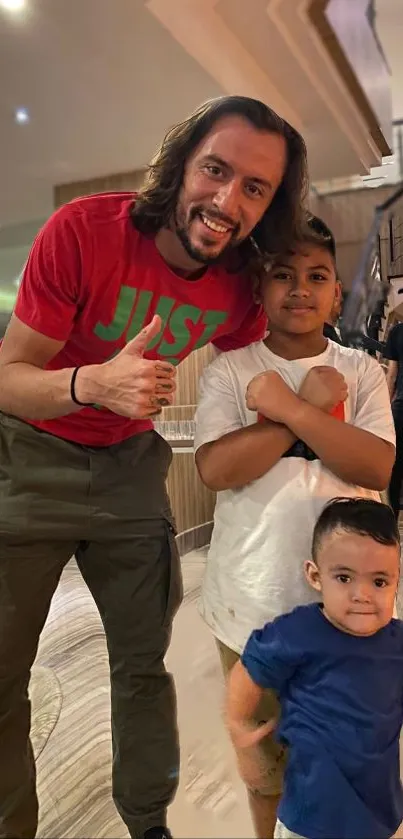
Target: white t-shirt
{"x":263,"y":531}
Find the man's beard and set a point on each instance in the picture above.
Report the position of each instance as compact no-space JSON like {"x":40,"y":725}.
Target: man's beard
{"x":198,"y":255}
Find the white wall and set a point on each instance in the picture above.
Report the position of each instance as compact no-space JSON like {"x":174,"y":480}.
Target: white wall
{"x":389,"y":22}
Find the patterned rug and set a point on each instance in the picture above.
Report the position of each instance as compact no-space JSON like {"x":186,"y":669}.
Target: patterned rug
{"x":46,"y":698}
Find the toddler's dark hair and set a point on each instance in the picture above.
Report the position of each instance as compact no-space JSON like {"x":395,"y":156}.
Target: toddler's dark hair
{"x":356,"y":515}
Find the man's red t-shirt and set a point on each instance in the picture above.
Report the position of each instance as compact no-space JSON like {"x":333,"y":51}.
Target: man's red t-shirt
{"x":93,"y":281}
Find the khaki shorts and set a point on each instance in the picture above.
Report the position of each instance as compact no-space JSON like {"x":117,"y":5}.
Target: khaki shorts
{"x":274,"y":755}
{"x":282,"y":832}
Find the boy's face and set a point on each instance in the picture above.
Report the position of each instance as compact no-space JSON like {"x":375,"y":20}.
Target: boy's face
{"x":358,"y":579}
{"x":300,"y":291}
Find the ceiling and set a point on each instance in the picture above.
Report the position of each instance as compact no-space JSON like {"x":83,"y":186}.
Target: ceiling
{"x":102,"y":81}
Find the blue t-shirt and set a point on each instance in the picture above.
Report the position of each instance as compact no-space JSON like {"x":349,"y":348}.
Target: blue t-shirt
{"x":342,"y":711}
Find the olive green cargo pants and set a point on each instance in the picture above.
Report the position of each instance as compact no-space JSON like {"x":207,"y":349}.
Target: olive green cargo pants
{"x":109,"y":508}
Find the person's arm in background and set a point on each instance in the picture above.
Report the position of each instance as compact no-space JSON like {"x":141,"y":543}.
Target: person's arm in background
{"x":391,"y":352}
{"x":229,"y":454}
{"x":372,"y":345}
{"x":46,"y":306}
{"x":391,"y":376}
{"x":361,"y":453}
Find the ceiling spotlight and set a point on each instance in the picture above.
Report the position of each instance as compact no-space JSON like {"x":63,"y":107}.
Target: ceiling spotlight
{"x":21,"y":116}
{"x":13,"y":5}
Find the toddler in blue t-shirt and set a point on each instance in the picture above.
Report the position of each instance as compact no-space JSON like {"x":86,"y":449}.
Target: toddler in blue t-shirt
{"x":338,"y":671}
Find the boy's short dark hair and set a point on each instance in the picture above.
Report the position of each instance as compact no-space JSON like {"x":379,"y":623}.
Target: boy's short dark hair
{"x":314,"y":231}
{"x":323,"y":236}
{"x":356,"y":515}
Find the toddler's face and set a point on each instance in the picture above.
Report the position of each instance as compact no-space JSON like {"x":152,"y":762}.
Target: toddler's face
{"x":358,"y":578}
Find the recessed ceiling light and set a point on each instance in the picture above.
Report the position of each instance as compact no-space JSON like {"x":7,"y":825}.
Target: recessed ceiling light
{"x":21,"y":116}
{"x":13,"y":5}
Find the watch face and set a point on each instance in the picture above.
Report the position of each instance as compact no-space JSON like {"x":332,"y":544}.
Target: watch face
{"x":370,"y":286}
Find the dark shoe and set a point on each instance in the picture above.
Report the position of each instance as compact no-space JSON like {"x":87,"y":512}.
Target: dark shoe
{"x":158,"y":833}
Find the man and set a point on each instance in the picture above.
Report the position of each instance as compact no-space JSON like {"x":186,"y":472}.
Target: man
{"x":115,"y":293}
{"x":394,"y":352}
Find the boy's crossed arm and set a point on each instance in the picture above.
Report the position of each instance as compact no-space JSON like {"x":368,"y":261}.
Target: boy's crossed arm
{"x":245,"y":454}
{"x":353,"y":454}
{"x":242,"y":456}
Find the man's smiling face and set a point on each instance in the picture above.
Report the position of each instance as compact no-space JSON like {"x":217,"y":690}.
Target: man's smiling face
{"x":229,"y":182}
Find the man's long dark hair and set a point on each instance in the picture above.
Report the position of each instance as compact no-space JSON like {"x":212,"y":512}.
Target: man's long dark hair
{"x":282,"y":222}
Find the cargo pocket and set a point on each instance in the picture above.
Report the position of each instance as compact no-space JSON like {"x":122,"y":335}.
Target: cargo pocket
{"x":174,"y":583}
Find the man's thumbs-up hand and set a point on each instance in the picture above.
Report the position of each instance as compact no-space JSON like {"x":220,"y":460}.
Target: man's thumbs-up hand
{"x":138,"y":345}
{"x":129,"y":384}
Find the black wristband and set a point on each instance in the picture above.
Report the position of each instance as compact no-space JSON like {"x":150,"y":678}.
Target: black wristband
{"x":73,"y":391}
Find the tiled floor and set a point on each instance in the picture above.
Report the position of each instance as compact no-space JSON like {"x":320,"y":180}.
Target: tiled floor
{"x":74,"y":765}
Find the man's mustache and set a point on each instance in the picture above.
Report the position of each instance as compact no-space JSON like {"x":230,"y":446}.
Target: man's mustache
{"x":220,"y":218}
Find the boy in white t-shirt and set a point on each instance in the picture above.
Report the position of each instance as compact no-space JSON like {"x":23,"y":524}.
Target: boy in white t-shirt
{"x":282,"y":427}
